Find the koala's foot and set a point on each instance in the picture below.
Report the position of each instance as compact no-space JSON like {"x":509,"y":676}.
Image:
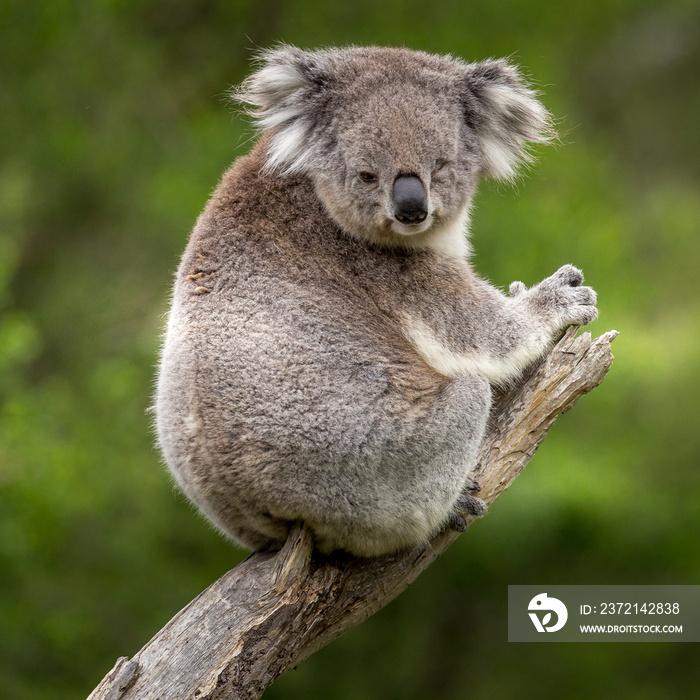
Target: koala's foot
{"x":466,"y":505}
{"x":564,"y":300}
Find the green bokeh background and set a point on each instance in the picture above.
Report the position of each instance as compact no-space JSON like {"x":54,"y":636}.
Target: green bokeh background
{"x":114,"y":130}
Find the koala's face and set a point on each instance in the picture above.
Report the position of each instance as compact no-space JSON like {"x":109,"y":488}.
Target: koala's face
{"x":403,"y":162}
{"x":394,"y":140}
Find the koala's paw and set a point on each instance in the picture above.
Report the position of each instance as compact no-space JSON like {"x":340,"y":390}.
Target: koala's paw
{"x":466,"y":505}
{"x":563,"y":300}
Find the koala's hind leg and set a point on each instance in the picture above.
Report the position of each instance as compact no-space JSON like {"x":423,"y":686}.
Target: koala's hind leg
{"x":469,"y":505}
{"x":252,"y":528}
{"x":258,"y":542}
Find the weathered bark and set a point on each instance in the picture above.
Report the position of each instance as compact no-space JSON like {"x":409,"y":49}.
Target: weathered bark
{"x":273,"y":610}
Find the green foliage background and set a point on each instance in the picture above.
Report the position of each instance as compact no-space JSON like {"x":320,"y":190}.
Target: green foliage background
{"x":113,"y":130}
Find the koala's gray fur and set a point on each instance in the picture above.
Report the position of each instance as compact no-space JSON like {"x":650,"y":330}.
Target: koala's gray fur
{"x":325,"y":361}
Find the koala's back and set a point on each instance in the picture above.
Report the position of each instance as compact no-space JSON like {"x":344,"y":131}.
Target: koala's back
{"x":287,"y":389}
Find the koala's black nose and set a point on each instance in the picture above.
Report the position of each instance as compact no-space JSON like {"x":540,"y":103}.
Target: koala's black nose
{"x":410,"y":200}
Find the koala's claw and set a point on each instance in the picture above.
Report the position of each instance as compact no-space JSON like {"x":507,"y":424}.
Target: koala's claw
{"x":466,"y":505}
{"x":472,"y":485}
{"x":565,"y":276}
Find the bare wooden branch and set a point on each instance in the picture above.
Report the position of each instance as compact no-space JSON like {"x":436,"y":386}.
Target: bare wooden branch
{"x":273,"y":610}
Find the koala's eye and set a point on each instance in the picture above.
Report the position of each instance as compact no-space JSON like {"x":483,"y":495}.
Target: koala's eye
{"x":367,"y":176}
{"x":440,"y":165}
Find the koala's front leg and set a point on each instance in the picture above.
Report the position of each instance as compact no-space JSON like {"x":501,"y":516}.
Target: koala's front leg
{"x":557,"y":302}
{"x":497,"y":336}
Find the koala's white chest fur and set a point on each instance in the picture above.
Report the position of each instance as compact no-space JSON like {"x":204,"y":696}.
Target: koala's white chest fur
{"x":448,"y":239}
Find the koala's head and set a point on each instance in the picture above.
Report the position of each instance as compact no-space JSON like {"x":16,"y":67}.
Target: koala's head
{"x":394,"y":140}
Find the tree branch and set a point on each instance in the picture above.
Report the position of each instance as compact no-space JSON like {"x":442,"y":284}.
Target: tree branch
{"x":274,"y":610}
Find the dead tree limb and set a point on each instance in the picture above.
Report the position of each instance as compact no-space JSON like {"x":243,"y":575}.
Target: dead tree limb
{"x":273,"y":610}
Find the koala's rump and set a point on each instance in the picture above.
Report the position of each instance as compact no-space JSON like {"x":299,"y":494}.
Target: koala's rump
{"x":306,"y":405}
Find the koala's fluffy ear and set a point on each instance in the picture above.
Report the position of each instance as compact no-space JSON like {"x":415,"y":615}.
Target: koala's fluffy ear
{"x":285,"y":95}
{"x":505,"y":114}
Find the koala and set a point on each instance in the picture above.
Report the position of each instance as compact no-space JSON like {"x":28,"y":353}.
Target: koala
{"x":330,"y":352}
